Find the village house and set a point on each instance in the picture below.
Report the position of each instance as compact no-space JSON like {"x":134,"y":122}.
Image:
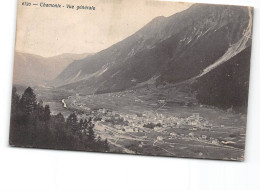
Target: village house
{"x":159,"y":138}
{"x":174,"y":135}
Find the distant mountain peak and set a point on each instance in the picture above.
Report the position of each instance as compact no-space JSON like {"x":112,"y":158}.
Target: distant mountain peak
{"x":31,"y":69}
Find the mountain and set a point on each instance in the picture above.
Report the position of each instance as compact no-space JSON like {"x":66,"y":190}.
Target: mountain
{"x":226,"y":86}
{"x":186,"y":45}
{"x":34,"y":70}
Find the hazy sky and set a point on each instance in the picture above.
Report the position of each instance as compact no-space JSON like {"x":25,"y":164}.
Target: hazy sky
{"x":53,"y":31}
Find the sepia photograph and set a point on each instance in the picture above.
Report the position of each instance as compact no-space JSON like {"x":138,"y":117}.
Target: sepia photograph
{"x":151,"y":78}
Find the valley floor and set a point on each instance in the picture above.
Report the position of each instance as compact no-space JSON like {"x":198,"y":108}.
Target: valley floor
{"x":152,"y":122}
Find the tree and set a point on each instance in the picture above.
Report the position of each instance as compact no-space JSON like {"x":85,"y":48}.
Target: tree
{"x":91,"y":135}
{"x":14,"y":124}
{"x":47,"y":113}
{"x":99,"y":139}
{"x":28,"y":100}
{"x":72,"y":122}
{"x":59,"y":118}
{"x":58,"y":122}
{"x":15,"y":100}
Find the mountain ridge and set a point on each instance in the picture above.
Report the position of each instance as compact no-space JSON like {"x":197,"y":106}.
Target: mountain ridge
{"x":167,"y":50}
{"x":32,"y":69}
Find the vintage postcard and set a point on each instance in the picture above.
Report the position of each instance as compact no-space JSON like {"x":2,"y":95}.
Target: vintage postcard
{"x":135,"y":77}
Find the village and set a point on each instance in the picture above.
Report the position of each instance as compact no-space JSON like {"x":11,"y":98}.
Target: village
{"x":152,"y":127}
{"x":162,"y":127}
{"x":136,"y":123}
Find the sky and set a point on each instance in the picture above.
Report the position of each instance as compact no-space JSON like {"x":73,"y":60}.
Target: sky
{"x":47,"y":31}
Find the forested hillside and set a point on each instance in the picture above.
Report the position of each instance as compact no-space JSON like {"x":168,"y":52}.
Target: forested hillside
{"x":32,"y":125}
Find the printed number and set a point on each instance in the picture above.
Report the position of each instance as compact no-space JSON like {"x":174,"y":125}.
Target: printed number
{"x":26,"y":4}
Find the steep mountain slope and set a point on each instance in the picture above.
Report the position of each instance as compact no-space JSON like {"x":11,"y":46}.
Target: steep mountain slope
{"x":32,"y":69}
{"x":226,"y":86}
{"x":166,"y":50}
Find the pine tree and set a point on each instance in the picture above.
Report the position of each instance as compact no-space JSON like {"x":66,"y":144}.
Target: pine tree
{"x":59,"y":118}
{"x":58,"y":122}
{"x":14,"y":124}
{"x":15,"y":100}
{"x":47,"y":113}
{"x":72,"y":122}
{"x":28,"y":100}
{"x":91,"y":135}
